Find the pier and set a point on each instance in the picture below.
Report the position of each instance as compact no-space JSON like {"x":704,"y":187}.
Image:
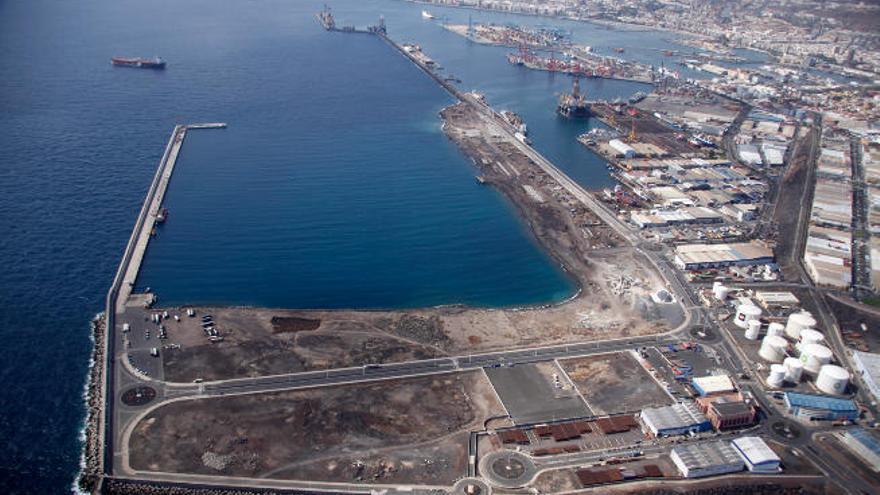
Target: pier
{"x":126,"y":275}
{"x":489,"y":113}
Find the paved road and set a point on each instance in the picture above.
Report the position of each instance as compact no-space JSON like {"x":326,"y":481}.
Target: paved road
{"x":415,"y":368}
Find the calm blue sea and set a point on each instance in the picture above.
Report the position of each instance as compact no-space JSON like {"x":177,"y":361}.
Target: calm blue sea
{"x":333,"y":186}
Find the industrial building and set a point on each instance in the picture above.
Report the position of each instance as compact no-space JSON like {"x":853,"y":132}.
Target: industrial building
{"x":820,"y":407}
{"x":777,"y":300}
{"x":758,"y":457}
{"x":622,"y":149}
{"x":713,"y":384}
{"x":700,"y":256}
{"x":867,"y":365}
{"x":864,"y":445}
{"x":727,"y":414}
{"x":677,"y":419}
{"x":706,"y":459}
{"x":664,"y":218}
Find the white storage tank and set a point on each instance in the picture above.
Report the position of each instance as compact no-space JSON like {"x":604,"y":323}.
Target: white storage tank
{"x":814,"y":356}
{"x":777,"y":375}
{"x":776,"y":329}
{"x":773,"y":349}
{"x":793,"y":370}
{"x":754,"y":330}
{"x":745,"y":313}
{"x":810,"y":336}
{"x":832,"y":379}
{"x":721,"y":292}
{"x":797,"y":322}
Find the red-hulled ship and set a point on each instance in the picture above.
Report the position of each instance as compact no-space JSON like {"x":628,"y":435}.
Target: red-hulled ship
{"x":140,"y":63}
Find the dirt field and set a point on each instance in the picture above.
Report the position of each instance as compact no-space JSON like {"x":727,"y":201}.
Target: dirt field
{"x":614,"y":383}
{"x":252,"y":346}
{"x":378,"y":432}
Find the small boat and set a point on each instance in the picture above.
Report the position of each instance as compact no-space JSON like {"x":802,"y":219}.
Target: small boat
{"x":162,"y":215}
{"x":619,"y":50}
{"x":139,"y":63}
{"x":427,"y":15}
{"x":481,"y":179}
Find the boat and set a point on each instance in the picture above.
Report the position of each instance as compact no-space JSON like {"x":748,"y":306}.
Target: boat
{"x":162,"y":215}
{"x":574,"y":104}
{"x":619,"y":50}
{"x":427,"y":15}
{"x":515,"y":120}
{"x":139,"y":63}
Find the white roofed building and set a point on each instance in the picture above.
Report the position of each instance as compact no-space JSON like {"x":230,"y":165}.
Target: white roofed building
{"x":713,"y":384}
{"x":706,"y":459}
{"x":758,"y":457}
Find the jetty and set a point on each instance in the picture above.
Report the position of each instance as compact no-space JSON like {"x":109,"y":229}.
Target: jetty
{"x":123,"y":284}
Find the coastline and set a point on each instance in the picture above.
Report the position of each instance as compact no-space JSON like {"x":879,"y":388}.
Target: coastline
{"x":89,"y":477}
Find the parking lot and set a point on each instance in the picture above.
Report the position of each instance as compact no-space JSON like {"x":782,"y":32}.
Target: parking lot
{"x":674,"y":368}
{"x":530,"y":395}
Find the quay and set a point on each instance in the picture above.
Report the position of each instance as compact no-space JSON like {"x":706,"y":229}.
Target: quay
{"x":123,"y":284}
{"x":489,"y":113}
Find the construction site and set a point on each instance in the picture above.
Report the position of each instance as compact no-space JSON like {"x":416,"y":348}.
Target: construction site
{"x":396,"y":431}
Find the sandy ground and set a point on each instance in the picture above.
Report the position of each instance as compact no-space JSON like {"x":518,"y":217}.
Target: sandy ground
{"x":615,"y":382}
{"x":401,"y":431}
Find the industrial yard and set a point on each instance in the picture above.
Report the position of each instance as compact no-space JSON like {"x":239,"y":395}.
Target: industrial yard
{"x":380,"y":432}
{"x":614,"y":383}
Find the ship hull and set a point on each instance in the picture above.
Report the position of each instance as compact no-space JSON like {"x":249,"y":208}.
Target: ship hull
{"x":138,"y":63}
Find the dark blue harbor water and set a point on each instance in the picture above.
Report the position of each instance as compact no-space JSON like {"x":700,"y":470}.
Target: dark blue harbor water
{"x":383,"y":211}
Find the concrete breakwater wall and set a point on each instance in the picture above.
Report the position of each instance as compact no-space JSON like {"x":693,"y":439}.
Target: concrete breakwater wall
{"x":90,"y":471}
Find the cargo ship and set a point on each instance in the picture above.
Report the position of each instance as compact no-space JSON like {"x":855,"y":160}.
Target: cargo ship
{"x":140,"y":63}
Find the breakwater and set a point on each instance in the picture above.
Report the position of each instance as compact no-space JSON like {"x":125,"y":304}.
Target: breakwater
{"x":99,"y":431}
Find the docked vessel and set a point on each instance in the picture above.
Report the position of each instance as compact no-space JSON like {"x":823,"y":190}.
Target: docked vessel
{"x":326,"y":19}
{"x":139,"y":63}
{"x":515,"y":120}
{"x":427,"y":15}
{"x":574,"y":104}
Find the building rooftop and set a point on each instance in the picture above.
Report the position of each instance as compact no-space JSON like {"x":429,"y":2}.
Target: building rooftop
{"x":707,"y":253}
{"x":865,"y":444}
{"x":707,"y":454}
{"x":810,"y":401}
{"x":755,"y":451}
{"x":713,"y":384}
{"x":676,"y":416}
{"x":729,"y":408}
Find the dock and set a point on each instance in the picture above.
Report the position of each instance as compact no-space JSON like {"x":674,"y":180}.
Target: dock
{"x":126,"y":275}
{"x":575,"y":189}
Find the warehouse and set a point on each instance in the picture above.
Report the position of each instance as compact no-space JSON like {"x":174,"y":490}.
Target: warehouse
{"x":700,"y":256}
{"x":727,"y":414}
{"x":758,"y":457}
{"x":864,"y":445}
{"x":622,"y":149}
{"x":867,"y":365}
{"x":677,"y":419}
{"x":820,"y":407}
{"x":706,"y":459}
{"x":713,"y":384}
{"x":777,"y":300}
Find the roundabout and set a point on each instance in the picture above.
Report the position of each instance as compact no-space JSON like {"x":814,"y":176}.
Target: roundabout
{"x":508,"y":468}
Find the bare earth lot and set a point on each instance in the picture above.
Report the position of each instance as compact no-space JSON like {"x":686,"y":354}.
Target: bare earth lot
{"x":254,"y":346}
{"x":378,"y":432}
{"x":614,"y":383}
